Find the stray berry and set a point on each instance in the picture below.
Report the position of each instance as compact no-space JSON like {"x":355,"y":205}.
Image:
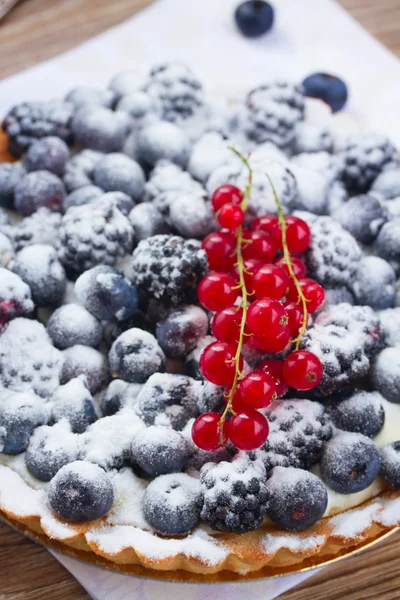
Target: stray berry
{"x":298,"y":267}
{"x":258,"y":389}
{"x":217,"y":363}
{"x":270,"y":281}
{"x":226,"y":324}
{"x":248,"y":429}
{"x":261,"y":245}
{"x":206,"y":431}
{"x":328,"y":88}
{"x":226,"y":194}
{"x":267,"y":317}
{"x":216,"y":291}
{"x":302,"y":370}
{"x":274,"y":367}
{"x":230,"y":216}
{"x":254,"y":18}
{"x":220,"y":249}
{"x":313,"y":292}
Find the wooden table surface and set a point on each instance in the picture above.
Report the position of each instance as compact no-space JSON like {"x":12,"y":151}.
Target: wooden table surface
{"x":39,"y":29}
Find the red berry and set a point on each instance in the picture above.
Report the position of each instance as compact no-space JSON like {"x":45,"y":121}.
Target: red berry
{"x":216,"y":291}
{"x":270,"y":281}
{"x":298,"y":235}
{"x":258,"y":389}
{"x":226,"y":194}
{"x":217,"y":363}
{"x":237,"y":402}
{"x":266,"y":317}
{"x":206,"y":431}
{"x":302,"y":370}
{"x":299,"y":268}
{"x":274,"y":343}
{"x":295,"y":313}
{"x":266,"y":223}
{"x":274,"y":367}
{"x":226,"y":324}
{"x":248,"y":429}
{"x":220,"y":248}
{"x":251,"y":265}
{"x":261,"y":246}
{"x":314,"y":293}
{"x":230,"y":216}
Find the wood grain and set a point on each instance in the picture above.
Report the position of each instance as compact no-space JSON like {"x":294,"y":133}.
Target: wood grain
{"x":39,"y":29}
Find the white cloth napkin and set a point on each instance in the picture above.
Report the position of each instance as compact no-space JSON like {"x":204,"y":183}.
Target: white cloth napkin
{"x":308,"y":36}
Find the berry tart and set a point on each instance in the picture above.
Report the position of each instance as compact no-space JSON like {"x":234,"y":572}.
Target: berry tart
{"x":199,"y":328}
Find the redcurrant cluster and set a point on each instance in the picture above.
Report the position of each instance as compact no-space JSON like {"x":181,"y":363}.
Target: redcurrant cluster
{"x":261,"y":296}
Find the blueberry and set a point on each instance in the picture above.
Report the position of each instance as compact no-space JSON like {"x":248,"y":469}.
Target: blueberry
{"x":49,"y":449}
{"x":142,"y":109}
{"x":162,"y":140}
{"x":363,"y":216}
{"x":124,"y":202}
{"x":10,"y":175}
{"x":117,"y":172}
{"x":82,"y":195}
{"x":172,"y":504}
{"x":40,"y":268}
{"x":390,"y":464}
{"x":192,"y":362}
{"x":160,"y":450}
{"x":135,"y":355}
{"x":85,"y":96}
{"x":147,"y":221}
{"x":180,"y":332}
{"x":79,"y":169}
{"x":83,"y":360}
{"x":362,"y":413}
{"x":100,"y":128}
{"x":350,"y":463}
{"x":375,"y":283}
{"x":386,"y":374}
{"x":337,"y":295}
{"x":297,"y":499}
{"x":211,"y":398}
{"x":127,"y":82}
{"x":388,"y":243}
{"x":72,"y":324}
{"x":388,"y":184}
{"x":81,"y":492}
{"x":20,"y":414}
{"x":37,"y":189}
{"x":254,"y":18}
{"x":119,"y":393}
{"x":15,"y":297}
{"x":328,"y":88}
{"x":6,"y":250}
{"x":74,"y":402}
{"x":106,"y":294}
{"x":47,"y":154}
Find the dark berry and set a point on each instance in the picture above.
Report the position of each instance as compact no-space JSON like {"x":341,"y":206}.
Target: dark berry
{"x":147,"y":221}
{"x":160,"y":450}
{"x":38,"y":189}
{"x":10,"y":176}
{"x":328,"y":88}
{"x":386,"y":374}
{"x":362,"y":412}
{"x":135,"y":355}
{"x":74,"y":402}
{"x":72,"y":324}
{"x":85,"y":95}
{"x":20,"y":414}
{"x":388,"y":184}
{"x":119,"y":393}
{"x":254,"y":18}
{"x":100,"y":128}
{"x":117,"y":172}
{"x":179,"y":333}
{"x":211,"y":398}
{"x":15,"y":297}
{"x":390,"y":464}
{"x":83,"y":360}
{"x":82,"y":195}
{"x":162,"y":140}
{"x":47,"y":154}
{"x":126,"y":82}
{"x":42,"y":227}
{"x":375,"y":283}
{"x":387,"y":243}
{"x":363,"y":216}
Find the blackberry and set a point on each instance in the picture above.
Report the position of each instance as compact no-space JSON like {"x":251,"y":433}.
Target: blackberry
{"x":235,"y":495}
{"x":363,"y":216}
{"x":42,"y":227}
{"x":79,"y":170}
{"x":93,"y":234}
{"x":360,"y":412}
{"x":386,"y":374}
{"x":390,"y":464}
{"x":85,"y":96}
{"x":159,"y":450}
{"x":179,"y":333}
{"x":273,"y":110}
{"x":86,"y":361}
{"x":135,"y":356}
{"x":81,"y":492}
{"x":168,"y":268}
{"x":365,"y":156}
{"x":47,"y":154}
{"x":117,"y":172}
{"x":296,"y":499}
{"x":15,"y":297}
{"x":100,"y":128}
{"x":387,"y":244}
{"x":299,"y":430}
{"x":375,"y":283}
{"x":388,"y":184}
{"x":10,"y":176}
{"x":72,"y":324}
{"x":334,"y":254}
{"x":36,"y":190}
{"x":83,"y":195}
{"x":162,"y":141}
{"x":311,"y":137}
{"x":146,"y":221}
{"x":168,"y":399}
{"x":28,"y":122}
{"x":178,"y":91}
{"x":74,"y":403}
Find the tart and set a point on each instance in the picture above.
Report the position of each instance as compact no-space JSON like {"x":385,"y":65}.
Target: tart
{"x":199,"y":363}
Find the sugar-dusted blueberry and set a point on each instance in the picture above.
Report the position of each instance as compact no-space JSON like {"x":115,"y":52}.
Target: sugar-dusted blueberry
{"x":297,"y":499}
{"x":118,"y":172}
{"x":79,"y":169}
{"x":363,"y":216}
{"x":160,"y":450}
{"x":72,"y":324}
{"x":386,"y":374}
{"x":85,"y":96}
{"x":179,"y":333}
{"x":15,"y":297}
{"x":162,"y":140}
{"x":312,"y":137}
{"x":37,"y":189}
{"x":47,"y":154}
{"x":118,"y":394}
{"x":337,"y":295}
{"x":39,"y":267}
{"x":172,"y":504}
{"x":50,"y":448}
{"x":387,"y":243}
{"x":82,"y":195}
{"x":329,"y":88}
{"x":350,"y":462}
{"x":127,"y":82}
{"x":141,"y":108}
{"x":390,"y":323}
{"x":83,"y":360}
{"x":20,"y":414}
{"x":123,"y":202}
{"x":254,"y":18}
{"x":74,"y":402}
{"x":361,"y":412}
{"x":192,"y":362}
{"x":388,"y":184}
{"x":6,"y":250}
{"x":135,"y":355}
{"x":147,"y":221}
{"x":211,"y":398}
{"x":100,"y":128}
{"x":375,"y":283}
{"x":81,"y":492}
{"x":10,"y":175}
{"x":390,"y":464}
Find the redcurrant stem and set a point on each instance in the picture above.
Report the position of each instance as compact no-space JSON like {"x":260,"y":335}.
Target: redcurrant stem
{"x":287,"y":257}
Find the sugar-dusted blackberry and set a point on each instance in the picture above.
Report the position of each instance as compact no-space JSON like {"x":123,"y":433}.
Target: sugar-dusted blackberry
{"x":117,"y":172}
{"x":118,"y":394}
{"x":273,"y":110}
{"x":211,"y":398}
{"x":146,"y":221}
{"x":162,"y":140}
{"x":363,"y":216}
{"x":47,"y":154}
{"x":50,"y":448}
{"x":10,"y":175}
{"x":15,"y":297}
{"x":74,"y":403}
{"x":135,"y":356}
{"x":72,"y":324}
{"x":81,"y":492}
{"x":42,"y":227}
{"x":350,"y":462}
{"x":86,"y":361}
{"x":166,"y":177}
{"x":100,"y":128}
{"x":168,"y":399}
{"x":387,"y":243}
{"x":82,"y":195}
{"x":92,"y":234}
{"x":30,"y":121}
{"x":36,"y":190}
{"x":334,"y":254}
{"x":192,"y":367}
{"x":172,"y":504}
{"x":390,"y":323}
{"x":85,"y":95}
{"x":179,"y":333}
{"x":141,"y":108}
{"x":375,"y":283}
{"x":6,"y":250}
{"x":40,"y":268}
{"x":366,"y":156}
{"x":388,"y":184}
{"x":168,"y":268}
{"x":311,"y":137}
{"x":178,"y":91}
{"x":20,"y":414}
{"x":359,"y":412}
{"x":160,"y":450}
{"x":235,"y":495}
{"x":386,"y":374}
{"x":297,"y":499}
{"x":390,"y":464}
{"x":299,"y":430}
{"x":79,"y":170}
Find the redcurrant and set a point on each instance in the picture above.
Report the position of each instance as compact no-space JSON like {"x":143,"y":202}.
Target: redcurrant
{"x":230,"y":216}
{"x":216,"y":291}
{"x":250,"y":267}
{"x":299,"y":268}
{"x":248,"y":429}
{"x":313,"y":292}
{"x":226,"y":324}
{"x":217,"y":363}
{"x":266,"y":223}
{"x":270,"y":281}
{"x":237,"y":401}
{"x":226,"y":194}
{"x":261,"y":245}
{"x":295,"y":315}
{"x":274,"y":367}
{"x":298,"y":235}
{"x":274,"y":342}
{"x":258,"y":389}
{"x":220,"y":248}
{"x":266,"y":317}
{"x":206,"y":431}
{"x":302,"y":370}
